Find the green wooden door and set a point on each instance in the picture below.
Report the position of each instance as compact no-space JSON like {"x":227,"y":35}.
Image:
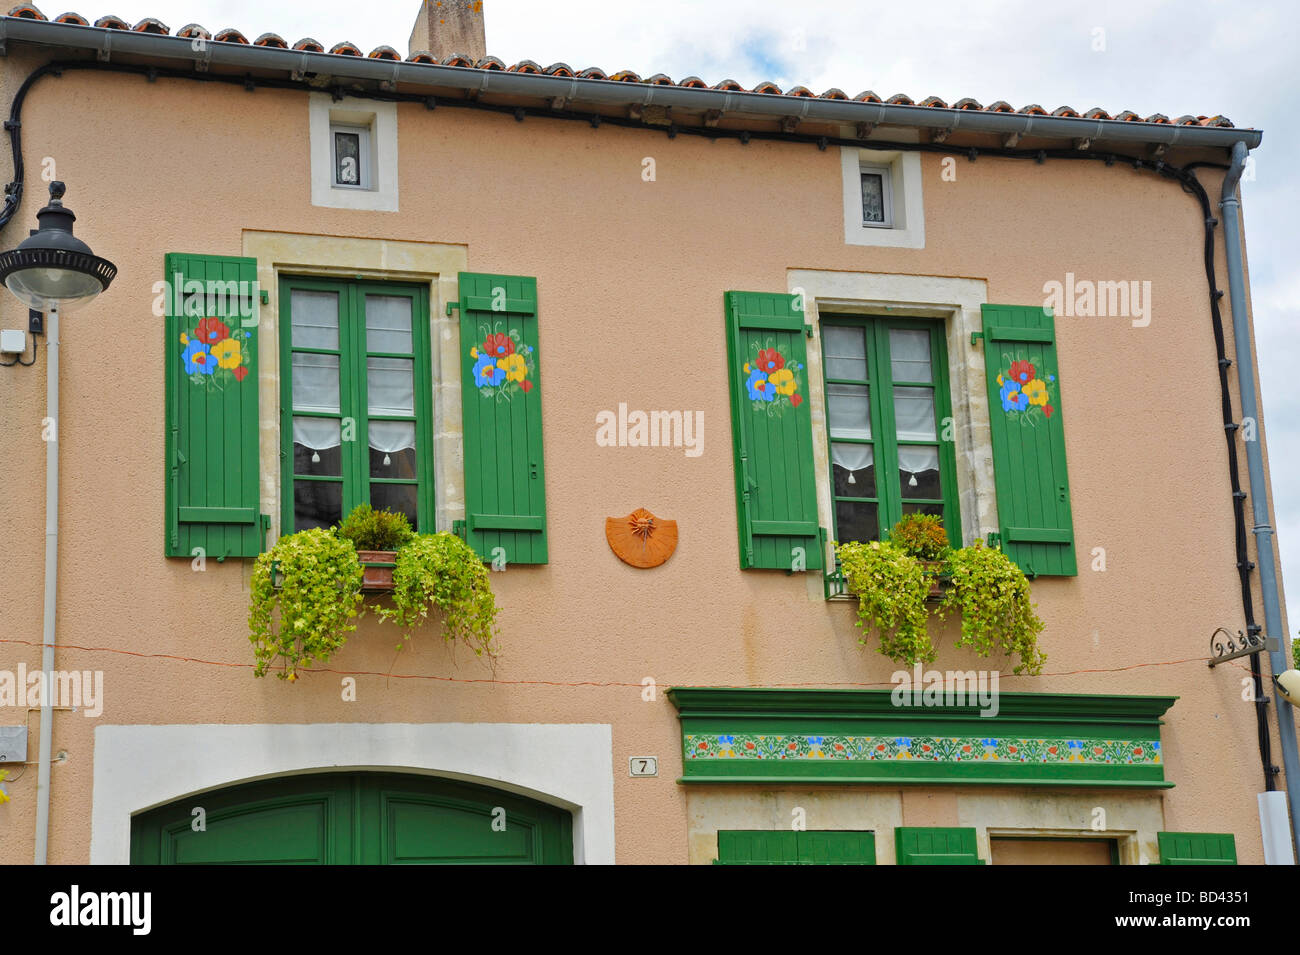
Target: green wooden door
{"x":353,"y":818}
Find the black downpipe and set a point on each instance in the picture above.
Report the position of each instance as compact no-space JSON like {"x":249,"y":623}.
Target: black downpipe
{"x":1184,"y":175}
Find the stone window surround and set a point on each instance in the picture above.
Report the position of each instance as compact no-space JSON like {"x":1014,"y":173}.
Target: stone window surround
{"x":380,"y":119}
{"x":436,"y":264}
{"x":957,"y":302}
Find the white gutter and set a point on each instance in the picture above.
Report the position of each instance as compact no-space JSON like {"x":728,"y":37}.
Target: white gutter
{"x":107,"y":43}
{"x":51,"y":583}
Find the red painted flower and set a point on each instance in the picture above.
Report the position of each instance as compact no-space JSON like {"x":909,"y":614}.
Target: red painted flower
{"x":1047,"y":410}
{"x":498,"y":346}
{"x":796,"y":400}
{"x":925,"y":747}
{"x":212,"y":330}
{"x":966,"y":748}
{"x":1052,"y":750}
{"x":526,"y":385}
{"x":1138,"y":751}
{"x":839,"y":747}
{"x":749,"y":746}
{"x":880,"y":748}
{"x":770,"y":360}
{"x":1022,"y":371}
{"x":792,"y":746}
{"x":703,"y":746}
{"x":1097,"y":750}
{"x":1012,"y":749}
{"x":239,"y":373}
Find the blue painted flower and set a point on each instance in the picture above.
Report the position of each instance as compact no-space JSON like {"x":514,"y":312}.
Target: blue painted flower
{"x":486,"y":372}
{"x":760,"y":389}
{"x":816,"y":740}
{"x":727,"y":739}
{"x":198,"y":359}
{"x":1051,"y":378}
{"x":1013,"y":399}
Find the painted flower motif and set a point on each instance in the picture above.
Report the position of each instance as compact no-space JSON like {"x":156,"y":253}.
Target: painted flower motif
{"x":211,"y":330}
{"x":1012,"y":397}
{"x":796,"y":400}
{"x":486,"y":372}
{"x":198,"y":360}
{"x":770,"y":360}
{"x":514,"y":366}
{"x":240,"y":373}
{"x":1047,"y":410}
{"x":499,"y":346}
{"x":760,"y":389}
{"x":784,"y":382}
{"x":185,"y":339}
{"x":1022,"y":372}
{"x":1036,"y":392}
{"x":526,"y":385}
{"x":227,"y":353}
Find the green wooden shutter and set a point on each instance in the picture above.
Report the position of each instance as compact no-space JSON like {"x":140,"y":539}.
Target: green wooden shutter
{"x":505,"y":475}
{"x":778,"y":847}
{"x":776,"y":498}
{"x":1197,"y":848}
{"x":930,"y":846}
{"x":1033,"y":489}
{"x":212,"y":431}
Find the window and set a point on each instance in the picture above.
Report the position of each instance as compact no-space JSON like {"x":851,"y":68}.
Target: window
{"x":882,"y":198}
{"x":352,"y":163}
{"x":356,"y":401}
{"x":886,"y":407}
{"x":877,"y":196}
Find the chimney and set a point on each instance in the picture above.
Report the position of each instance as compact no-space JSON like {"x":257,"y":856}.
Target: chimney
{"x":445,"y":27}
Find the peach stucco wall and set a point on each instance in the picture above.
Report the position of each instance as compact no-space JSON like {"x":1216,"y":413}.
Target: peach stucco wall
{"x":631,"y":276}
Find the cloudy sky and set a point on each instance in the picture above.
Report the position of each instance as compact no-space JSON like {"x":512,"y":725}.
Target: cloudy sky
{"x":1173,"y":57}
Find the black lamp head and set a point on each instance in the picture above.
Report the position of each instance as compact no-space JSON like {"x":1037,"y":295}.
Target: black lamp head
{"x":52,"y":267}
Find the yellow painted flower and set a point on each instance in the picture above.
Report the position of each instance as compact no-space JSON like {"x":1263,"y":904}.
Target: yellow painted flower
{"x":999,"y":379}
{"x":1036,"y":392}
{"x":227,"y":354}
{"x":473,"y":353}
{"x":746,"y":363}
{"x":185,"y":339}
{"x":784,"y":381}
{"x":515,"y":367}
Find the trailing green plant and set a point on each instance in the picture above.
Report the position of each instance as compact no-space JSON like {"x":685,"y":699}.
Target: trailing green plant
{"x":306,"y":618}
{"x":891,"y":587}
{"x":440,"y":571}
{"x":992,"y":596}
{"x":369,"y":529}
{"x":922,"y":536}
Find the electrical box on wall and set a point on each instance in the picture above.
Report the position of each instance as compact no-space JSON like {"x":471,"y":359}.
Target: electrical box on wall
{"x":13,"y":744}
{"x":13,"y":341}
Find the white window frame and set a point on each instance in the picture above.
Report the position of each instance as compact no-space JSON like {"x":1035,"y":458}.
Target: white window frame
{"x":905,"y":212}
{"x":365,"y":157}
{"x":886,"y":174}
{"x":379,"y":119}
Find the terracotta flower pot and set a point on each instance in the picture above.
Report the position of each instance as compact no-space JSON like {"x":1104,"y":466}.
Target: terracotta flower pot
{"x":932,"y":570}
{"x":377,"y":569}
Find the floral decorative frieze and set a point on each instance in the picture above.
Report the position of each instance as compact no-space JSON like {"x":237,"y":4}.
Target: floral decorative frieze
{"x":945,"y":749}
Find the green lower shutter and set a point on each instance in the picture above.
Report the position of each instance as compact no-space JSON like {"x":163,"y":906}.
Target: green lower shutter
{"x":778,"y":847}
{"x":1028,"y":437}
{"x":1197,"y":848}
{"x":212,"y":432}
{"x":930,"y":846}
{"x":501,"y":403}
{"x":771,"y":430}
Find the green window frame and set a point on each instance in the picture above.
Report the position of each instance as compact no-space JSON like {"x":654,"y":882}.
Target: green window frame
{"x":791,"y":847}
{"x":879,"y":498}
{"x":355,"y":472}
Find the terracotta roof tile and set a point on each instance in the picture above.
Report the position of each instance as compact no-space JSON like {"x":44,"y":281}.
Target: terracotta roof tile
{"x":307,"y":44}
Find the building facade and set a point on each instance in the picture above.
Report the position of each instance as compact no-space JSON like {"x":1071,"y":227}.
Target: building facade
{"x":703,"y":286}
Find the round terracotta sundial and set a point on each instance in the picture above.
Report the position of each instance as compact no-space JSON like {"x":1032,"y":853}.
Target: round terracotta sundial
{"x":641,"y":539}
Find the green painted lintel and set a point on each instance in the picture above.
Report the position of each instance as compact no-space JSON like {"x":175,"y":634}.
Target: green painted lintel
{"x":731,"y":781}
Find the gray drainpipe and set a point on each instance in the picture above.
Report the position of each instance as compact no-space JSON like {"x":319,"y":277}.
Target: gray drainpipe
{"x":51,"y":584}
{"x":1277,"y":657}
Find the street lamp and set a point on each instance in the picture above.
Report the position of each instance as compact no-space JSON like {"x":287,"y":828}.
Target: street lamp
{"x":49,"y":271}
{"x":52,"y":267}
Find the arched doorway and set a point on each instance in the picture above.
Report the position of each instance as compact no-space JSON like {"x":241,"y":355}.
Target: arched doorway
{"x":356,"y":818}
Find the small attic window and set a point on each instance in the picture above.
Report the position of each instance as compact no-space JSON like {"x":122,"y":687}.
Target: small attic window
{"x":877,"y":196}
{"x":350,"y":155}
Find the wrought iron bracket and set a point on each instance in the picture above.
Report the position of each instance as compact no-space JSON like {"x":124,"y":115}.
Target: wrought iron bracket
{"x":1243,"y":645}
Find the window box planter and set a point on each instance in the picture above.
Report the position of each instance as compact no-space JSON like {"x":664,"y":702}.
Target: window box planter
{"x":377,"y":570}
{"x":939,"y":581}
